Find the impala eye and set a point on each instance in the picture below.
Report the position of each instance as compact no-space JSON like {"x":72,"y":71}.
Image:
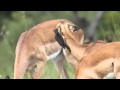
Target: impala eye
{"x":73,"y":28}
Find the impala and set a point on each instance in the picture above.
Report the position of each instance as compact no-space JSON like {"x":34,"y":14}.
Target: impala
{"x":92,"y":60}
{"x":38,"y":45}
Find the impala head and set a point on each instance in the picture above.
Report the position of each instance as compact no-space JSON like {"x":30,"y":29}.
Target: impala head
{"x":66,"y":27}
{"x":62,"y":28}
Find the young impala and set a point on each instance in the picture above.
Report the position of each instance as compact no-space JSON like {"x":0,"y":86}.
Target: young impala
{"x":38,"y":45}
{"x":93,"y":60}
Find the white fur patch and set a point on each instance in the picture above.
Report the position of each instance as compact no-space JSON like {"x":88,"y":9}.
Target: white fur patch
{"x":53,"y":55}
{"x":64,"y":52}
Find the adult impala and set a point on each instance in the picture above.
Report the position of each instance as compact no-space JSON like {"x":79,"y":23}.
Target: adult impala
{"x":63,"y":35}
{"x":38,"y":45}
{"x":92,"y":60}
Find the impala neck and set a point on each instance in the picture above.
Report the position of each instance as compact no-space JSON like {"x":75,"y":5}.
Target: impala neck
{"x":77,"y":49}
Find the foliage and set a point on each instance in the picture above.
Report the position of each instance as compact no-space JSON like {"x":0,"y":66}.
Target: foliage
{"x":109,"y":26}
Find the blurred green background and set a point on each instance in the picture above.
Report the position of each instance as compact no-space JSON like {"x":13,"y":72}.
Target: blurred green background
{"x":13,"y":23}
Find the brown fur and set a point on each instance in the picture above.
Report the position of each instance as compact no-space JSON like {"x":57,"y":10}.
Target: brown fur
{"x":35,"y":45}
{"x":93,"y":60}
{"x":78,"y":50}
{"x":100,"y":62}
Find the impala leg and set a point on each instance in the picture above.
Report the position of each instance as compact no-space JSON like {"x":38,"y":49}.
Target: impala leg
{"x":66,"y":76}
{"x":117,"y":69}
{"x":36,"y":74}
{"x":118,"y":75}
{"x":60,"y":67}
{"x":32,"y":72}
{"x":20,"y":69}
{"x":39,"y":69}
